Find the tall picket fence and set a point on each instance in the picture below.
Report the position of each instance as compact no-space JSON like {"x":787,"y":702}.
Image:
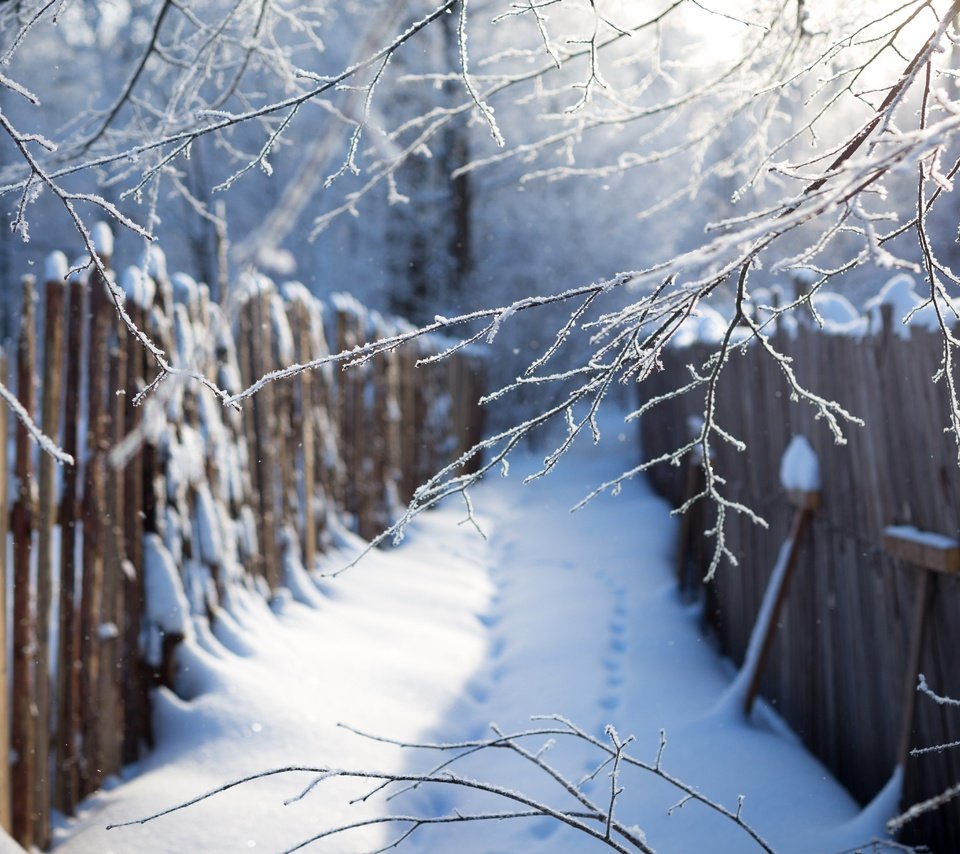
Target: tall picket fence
{"x":107,"y":559}
{"x":837,"y":670}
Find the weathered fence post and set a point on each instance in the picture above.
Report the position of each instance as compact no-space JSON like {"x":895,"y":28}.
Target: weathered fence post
{"x":94,"y":527}
{"x":69,"y":722}
{"x":134,"y":484}
{"x":262,"y":440}
{"x":303,"y":428}
{"x":53,"y":327}
{"x":24,"y":733}
{"x":109,"y":634}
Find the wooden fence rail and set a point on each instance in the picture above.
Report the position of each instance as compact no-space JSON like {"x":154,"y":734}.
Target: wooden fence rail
{"x":222,"y":497}
{"x":836,"y":668}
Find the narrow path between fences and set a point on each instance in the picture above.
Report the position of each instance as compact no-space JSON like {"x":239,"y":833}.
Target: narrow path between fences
{"x":553,"y":614}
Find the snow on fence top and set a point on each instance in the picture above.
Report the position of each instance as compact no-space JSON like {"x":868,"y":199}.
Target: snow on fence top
{"x":833,"y":312}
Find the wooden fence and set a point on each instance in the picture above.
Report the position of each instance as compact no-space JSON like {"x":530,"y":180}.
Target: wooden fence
{"x":839,"y":662}
{"x":213,"y":495}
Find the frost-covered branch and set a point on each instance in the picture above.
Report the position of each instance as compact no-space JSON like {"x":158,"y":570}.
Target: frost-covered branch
{"x":587,"y":817}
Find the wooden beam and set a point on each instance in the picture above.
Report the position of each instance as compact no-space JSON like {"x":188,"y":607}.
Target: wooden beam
{"x":801,"y":519}
{"x":922,"y":548}
{"x":927,"y":552}
{"x":804,"y":499}
{"x":921,"y":596}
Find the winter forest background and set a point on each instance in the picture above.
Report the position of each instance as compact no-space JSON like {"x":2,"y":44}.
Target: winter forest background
{"x":576,"y":188}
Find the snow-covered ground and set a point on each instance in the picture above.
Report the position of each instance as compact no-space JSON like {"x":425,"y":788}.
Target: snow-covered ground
{"x":554,"y":613}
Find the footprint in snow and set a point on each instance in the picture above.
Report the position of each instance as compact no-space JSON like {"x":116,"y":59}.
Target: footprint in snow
{"x":618,"y":644}
{"x":489,"y":620}
{"x":478,"y":691}
{"x":611,"y":663}
{"x":610,"y":702}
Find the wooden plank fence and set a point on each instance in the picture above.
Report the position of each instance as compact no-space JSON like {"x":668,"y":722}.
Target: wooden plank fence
{"x":836,"y":667}
{"x":222,"y":494}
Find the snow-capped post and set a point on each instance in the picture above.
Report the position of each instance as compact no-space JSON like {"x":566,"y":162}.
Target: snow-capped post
{"x":53,"y":329}
{"x":927,"y":553}
{"x":23,"y":732}
{"x":800,"y":477}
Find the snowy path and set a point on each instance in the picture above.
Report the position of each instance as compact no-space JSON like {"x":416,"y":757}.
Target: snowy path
{"x":553,"y":614}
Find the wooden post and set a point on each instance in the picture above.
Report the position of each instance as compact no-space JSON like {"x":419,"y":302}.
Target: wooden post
{"x":68,"y":672}
{"x":346,"y":402}
{"x":94,"y":529}
{"x":284,"y":436}
{"x":5,"y":792}
{"x":392,"y":428}
{"x":805,"y":503}
{"x":927,"y":553}
{"x":46,"y":516}
{"x":110,"y":737}
{"x":246,"y":344}
{"x":265,"y":438}
{"x":304,"y":431}
{"x":24,"y":720}
{"x":135,"y":729}
{"x":408,"y":405}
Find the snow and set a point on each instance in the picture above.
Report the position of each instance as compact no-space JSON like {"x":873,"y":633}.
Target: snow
{"x":282,"y":335}
{"x":839,"y":315}
{"x":185,"y":288}
{"x":154,"y":262}
{"x":167,"y":610}
{"x":55,"y":267}
{"x":137,"y":287}
{"x":552,"y":614}
{"x":102,"y":238}
{"x":925,"y":538}
{"x":799,"y":466}
{"x":836,"y":314}
{"x":706,"y":325}
{"x":735,"y":696}
{"x":901,"y":295}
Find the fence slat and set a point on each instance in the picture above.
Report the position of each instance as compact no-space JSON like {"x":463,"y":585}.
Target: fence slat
{"x":53,"y":326}
{"x":24,"y":633}
{"x":68,"y":672}
{"x":135,"y":729}
{"x":94,"y":530}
